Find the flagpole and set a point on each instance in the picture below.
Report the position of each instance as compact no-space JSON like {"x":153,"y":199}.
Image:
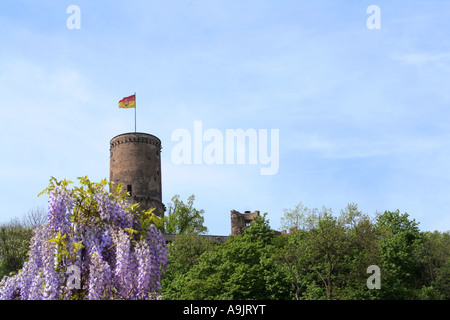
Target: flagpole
{"x":135,"y":112}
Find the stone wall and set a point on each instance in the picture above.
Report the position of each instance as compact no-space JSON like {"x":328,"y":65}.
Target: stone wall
{"x":241,"y":221}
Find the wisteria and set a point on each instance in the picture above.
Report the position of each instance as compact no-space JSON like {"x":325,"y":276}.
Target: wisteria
{"x":60,"y":205}
{"x":125,"y":265}
{"x":150,"y":255}
{"x":115,"y":248}
{"x":100,"y":277}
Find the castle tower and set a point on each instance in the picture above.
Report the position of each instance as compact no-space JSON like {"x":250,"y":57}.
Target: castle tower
{"x":135,"y":162}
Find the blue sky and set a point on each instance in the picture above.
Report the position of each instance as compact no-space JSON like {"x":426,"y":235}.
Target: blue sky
{"x":363,"y":114}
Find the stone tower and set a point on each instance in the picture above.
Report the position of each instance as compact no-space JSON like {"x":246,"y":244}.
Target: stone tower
{"x":135,"y":161}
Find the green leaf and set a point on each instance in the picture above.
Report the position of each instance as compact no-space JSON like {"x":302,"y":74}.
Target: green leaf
{"x":130,"y":231}
{"x":77,"y":246}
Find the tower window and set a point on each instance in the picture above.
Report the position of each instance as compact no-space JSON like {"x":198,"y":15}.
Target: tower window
{"x":129,"y":189}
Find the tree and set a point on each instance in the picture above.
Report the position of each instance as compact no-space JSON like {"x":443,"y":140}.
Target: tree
{"x":301,"y":217}
{"x":184,"y":218}
{"x":14,"y":244}
{"x":15,"y":239}
{"x":432,"y":258}
{"x":183,"y":254}
{"x":399,"y":238}
{"x":362,"y":236}
{"x":35,"y":217}
{"x":95,"y":245}
{"x":242,"y":268}
{"x":329,"y":259}
{"x":325,"y":249}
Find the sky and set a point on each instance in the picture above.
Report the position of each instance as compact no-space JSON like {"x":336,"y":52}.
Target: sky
{"x":359,"y":98}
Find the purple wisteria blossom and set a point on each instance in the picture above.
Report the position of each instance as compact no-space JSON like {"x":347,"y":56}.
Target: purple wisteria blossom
{"x":60,"y":206}
{"x":125,"y":270}
{"x":100,"y":277}
{"x":117,"y":251}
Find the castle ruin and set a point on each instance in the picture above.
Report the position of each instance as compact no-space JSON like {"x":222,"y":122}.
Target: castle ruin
{"x":241,"y":221}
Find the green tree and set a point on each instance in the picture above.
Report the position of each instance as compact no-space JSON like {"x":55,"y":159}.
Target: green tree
{"x":15,"y":239}
{"x":184,"y":218}
{"x":301,"y":217}
{"x":399,"y":239}
{"x":432,"y":258}
{"x":362,"y":236}
{"x":242,"y":268}
{"x":14,"y":245}
{"x":329,"y":259}
{"x":320,"y":254}
{"x":183,"y":252}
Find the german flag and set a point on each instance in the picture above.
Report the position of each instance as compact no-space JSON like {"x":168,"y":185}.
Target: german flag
{"x":128,"y":102}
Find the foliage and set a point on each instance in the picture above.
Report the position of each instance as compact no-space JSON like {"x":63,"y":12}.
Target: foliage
{"x":399,"y":238}
{"x":183,"y":252}
{"x":319,"y":254}
{"x":116,"y":248}
{"x":14,"y":244}
{"x":15,"y":239}
{"x":432,"y":262}
{"x":322,"y":257}
{"x":184,"y":218}
{"x":302,"y":218}
{"x":121,"y":253}
{"x":241,"y":268}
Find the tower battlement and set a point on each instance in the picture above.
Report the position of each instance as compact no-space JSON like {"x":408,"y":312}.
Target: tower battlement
{"x":135,"y":137}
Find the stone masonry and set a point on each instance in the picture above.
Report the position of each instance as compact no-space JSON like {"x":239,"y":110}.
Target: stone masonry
{"x":241,"y":221}
{"x":136,"y":163}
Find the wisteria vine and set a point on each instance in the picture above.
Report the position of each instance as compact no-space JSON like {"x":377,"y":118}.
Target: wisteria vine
{"x":116,"y":248}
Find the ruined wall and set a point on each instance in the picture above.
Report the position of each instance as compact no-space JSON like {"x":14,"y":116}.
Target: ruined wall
{"x":241,"y":221}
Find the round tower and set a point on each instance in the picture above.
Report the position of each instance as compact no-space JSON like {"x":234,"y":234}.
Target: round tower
{"x":135,"y":162}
